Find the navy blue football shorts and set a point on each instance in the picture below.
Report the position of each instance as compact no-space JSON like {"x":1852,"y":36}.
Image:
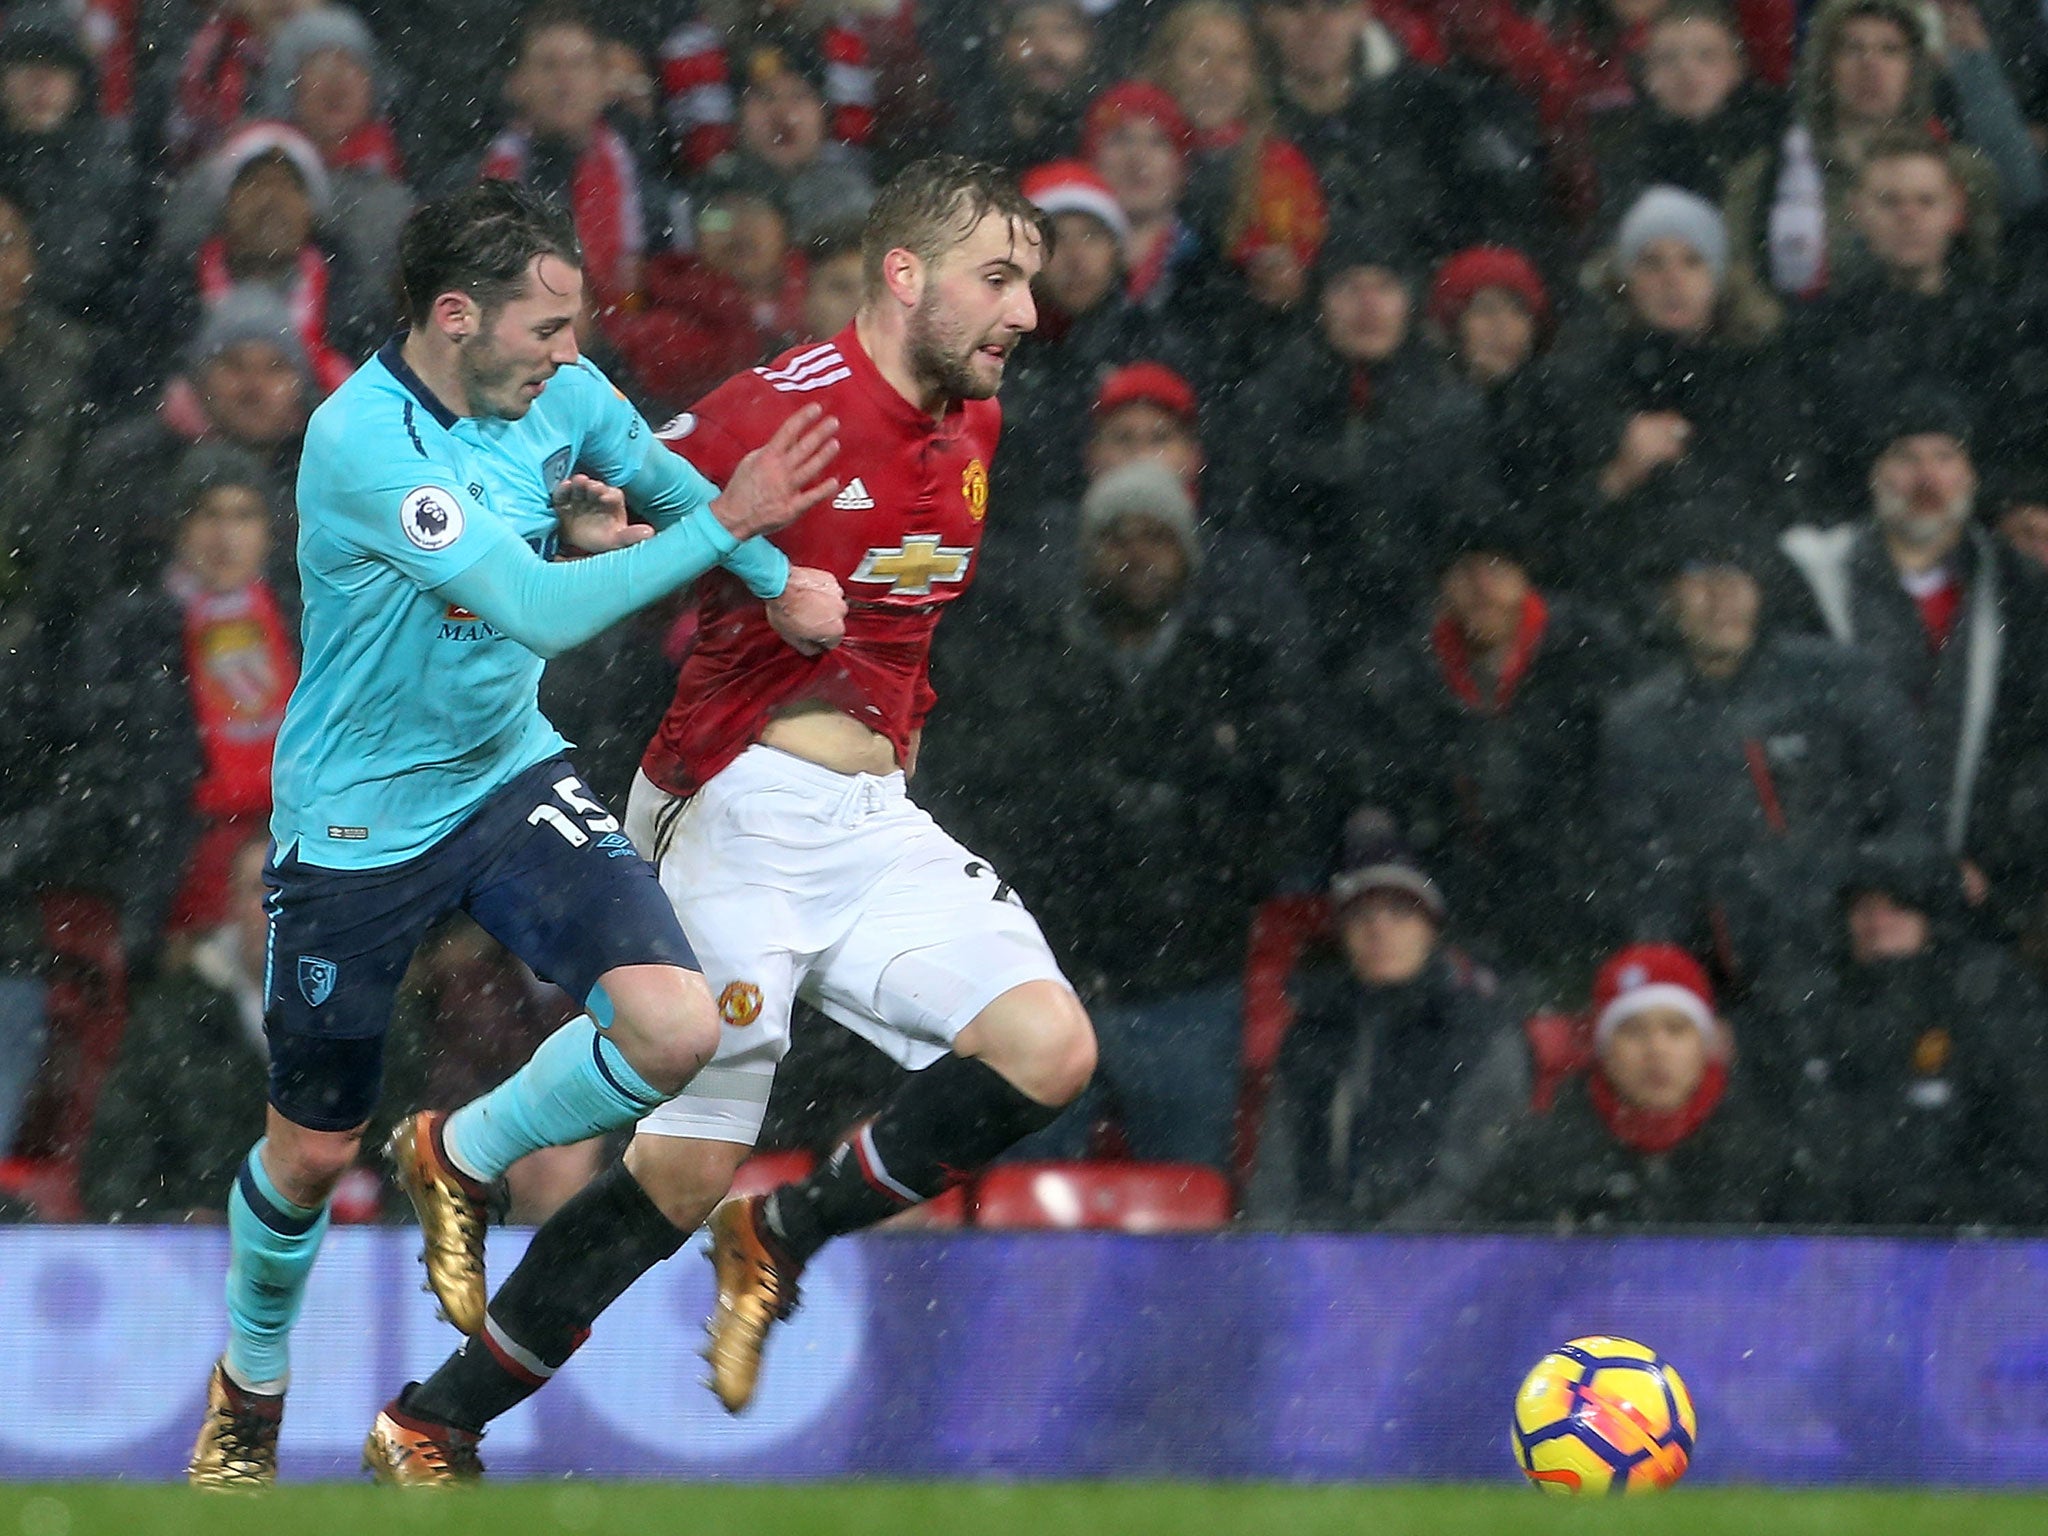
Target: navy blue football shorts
{"x":542,"y":867}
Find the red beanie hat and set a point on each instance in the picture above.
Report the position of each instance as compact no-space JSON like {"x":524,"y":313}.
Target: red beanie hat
{"x":1652,"y":976}
{"x":1153,"y":383}
{"x":1477,"y":267}
{"x":1135,"y":98}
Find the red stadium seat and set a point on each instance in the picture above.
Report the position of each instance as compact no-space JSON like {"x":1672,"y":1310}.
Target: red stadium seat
{"x":88,"y":1010}
{"x":1283,"y":931}
{"x":1121,"y":1197}
{"x":771,"y":1170}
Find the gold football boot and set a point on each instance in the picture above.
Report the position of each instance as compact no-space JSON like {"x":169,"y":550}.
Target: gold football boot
{"x":237,"y":1447}
{"x":410,"y":1453}
{"x":756,"y":1290}
{"x":451,"y":1210}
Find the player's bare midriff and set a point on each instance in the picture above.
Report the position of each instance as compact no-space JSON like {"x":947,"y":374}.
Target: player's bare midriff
{"x":832,"y":739}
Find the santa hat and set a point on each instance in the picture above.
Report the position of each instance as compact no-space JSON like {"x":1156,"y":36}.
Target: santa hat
{"x":1071,"y":186}
{"x":1135,"y":98}
{"x":1645,"y":976}
{"x":261,"y":138}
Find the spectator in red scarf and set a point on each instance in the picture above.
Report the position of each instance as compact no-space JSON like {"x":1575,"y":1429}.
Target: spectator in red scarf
{"x":1656,"y":1132}
{"x":326,"y":78}
{"x":1254,"y":190}
{"x":247,"y":382}
{"x":183,"y":689}
{"x":1138,"y":141}
{"x":1480,"y":731}
{"x":560,"y":142}
{"x":264,"y":195}
{"x":698,"y":89}
{"x":217,"y":77}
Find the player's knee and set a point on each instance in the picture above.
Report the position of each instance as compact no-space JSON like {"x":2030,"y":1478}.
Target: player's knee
{"x":1039,"y":1037}
{"x":305,"y":1165}
{"x":667,"y":1034}
{"x":684,"y":1177}
{"x":1069,"y":1051}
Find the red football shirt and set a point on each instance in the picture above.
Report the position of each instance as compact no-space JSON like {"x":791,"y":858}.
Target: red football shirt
{"x":901,"y":536}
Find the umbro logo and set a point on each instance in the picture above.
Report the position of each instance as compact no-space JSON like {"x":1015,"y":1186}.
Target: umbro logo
{"x":854,"y":498}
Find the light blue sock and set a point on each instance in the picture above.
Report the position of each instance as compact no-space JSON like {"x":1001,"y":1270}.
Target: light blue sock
{"x":576,"y":1086}
{"x":271,"y":1251}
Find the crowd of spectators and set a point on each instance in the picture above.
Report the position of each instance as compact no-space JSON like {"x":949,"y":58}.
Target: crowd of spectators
{"x":1557,"y":483}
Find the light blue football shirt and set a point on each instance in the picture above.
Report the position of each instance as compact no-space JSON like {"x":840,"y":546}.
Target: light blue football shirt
{"x":410,"y":713}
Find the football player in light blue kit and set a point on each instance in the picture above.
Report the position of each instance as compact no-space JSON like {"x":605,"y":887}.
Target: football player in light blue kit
{"x":415,"y":774}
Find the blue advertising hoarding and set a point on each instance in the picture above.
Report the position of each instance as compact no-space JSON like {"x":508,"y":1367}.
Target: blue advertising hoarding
{"x":1308,"y":1358}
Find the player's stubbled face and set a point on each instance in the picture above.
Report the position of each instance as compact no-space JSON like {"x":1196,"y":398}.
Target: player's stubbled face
{"x":508,"y":362}
{"x":976,"y":306}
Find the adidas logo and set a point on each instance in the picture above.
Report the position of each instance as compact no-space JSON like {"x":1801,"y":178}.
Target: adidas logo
{"x":854,"y":498}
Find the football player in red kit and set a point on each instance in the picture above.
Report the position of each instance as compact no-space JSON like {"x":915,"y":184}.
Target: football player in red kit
{"x":772,"y":801}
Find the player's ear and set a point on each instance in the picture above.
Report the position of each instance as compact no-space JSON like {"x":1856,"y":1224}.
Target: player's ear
{"x":903,"y":274}
{"x":455,"y":315}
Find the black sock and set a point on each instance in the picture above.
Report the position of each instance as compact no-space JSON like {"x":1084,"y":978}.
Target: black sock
{"x":936,"y":1129}
{"x":580,"y":1262}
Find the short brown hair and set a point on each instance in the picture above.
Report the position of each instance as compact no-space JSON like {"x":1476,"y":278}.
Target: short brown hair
{"x":932,"y":204}
{"x":1905,"y":144}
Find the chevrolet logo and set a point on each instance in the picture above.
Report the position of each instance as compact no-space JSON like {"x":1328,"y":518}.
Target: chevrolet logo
{"x":912,"y":569}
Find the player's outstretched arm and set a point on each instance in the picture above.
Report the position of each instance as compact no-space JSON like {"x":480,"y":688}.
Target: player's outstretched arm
{"x":550,"y":607}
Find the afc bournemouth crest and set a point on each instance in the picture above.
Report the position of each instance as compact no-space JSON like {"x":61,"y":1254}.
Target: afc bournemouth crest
{"x":316,"y":979}
{"x":974,"y":487}
{"x":739,"y":1004}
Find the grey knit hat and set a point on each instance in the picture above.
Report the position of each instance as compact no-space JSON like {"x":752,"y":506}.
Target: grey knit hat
{"x":1666,"y":213}
{"x":1144,"y":489}
{"x":247,"y":313}
{"x":330,"y":26}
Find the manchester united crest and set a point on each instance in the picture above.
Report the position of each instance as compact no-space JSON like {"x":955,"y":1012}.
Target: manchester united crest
{"x":974,"y":487}
{"x":739,"y":1004}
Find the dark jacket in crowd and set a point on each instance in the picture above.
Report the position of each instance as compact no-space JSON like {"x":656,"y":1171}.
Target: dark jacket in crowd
{"x":1736,"y":806}
{"x":1641,"y":146}
{"x":1383,"y":1093}
{"x":1980,"y":703}
{"x":1498,"y":785}
{"x":1861,"y":345}
{"x":1926,"y":1089}
{"x":1744,"y":455}
{"x":1567,"y":1169}
{"x":1137,"y":802}
{"x":184,"y":1102}
{"x":120,"y":540}
{"x":78,"y":186}
{"x":1049,"y":391}
{"x":1337,"y":463}
{"x":45,"y":389}
{"x":1378,"y":155}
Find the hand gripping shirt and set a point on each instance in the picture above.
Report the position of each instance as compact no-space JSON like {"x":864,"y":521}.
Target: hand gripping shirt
{"x":410,"y":711}
{"x":901,"y":536}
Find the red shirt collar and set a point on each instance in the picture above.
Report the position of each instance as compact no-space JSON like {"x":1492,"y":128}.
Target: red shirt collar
{"x":885,"y":395}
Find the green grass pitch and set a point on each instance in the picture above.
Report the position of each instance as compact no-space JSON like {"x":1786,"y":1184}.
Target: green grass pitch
{"x":889,"y":1509}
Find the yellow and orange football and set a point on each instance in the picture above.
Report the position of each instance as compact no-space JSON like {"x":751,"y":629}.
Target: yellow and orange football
{"x":1603,"y":1416}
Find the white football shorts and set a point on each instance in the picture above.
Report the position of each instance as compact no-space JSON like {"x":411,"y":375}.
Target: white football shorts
{"x":793,"y":881}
